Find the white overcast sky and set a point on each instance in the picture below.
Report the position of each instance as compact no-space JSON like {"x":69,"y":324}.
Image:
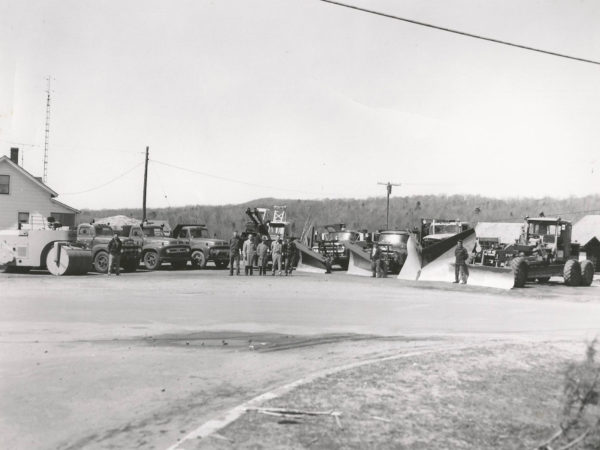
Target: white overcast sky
{"x":301,"y":99}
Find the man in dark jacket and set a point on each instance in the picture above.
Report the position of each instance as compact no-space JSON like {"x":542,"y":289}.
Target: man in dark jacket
{"x":460,"y":264}
{"x":235,"y":247}
{"x":262,"y":251}
{"x":290,"y":256}
{"x":115,"y":248}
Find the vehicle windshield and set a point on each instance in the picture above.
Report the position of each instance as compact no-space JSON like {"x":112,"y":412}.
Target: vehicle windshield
{"x":103,"y":230}
{"x":341,"y":236}
{"x":155,"y":232}
{"x":197,"y":232}
{"x":445,"y":229}
{"x":542,"y":228}
{"x":393,"y":239}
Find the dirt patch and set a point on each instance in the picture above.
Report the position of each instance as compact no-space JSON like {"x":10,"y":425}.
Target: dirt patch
{"x":503,"y":397}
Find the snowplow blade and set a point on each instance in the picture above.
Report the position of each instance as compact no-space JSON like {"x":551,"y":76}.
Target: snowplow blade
{"x":417,"y":259}
{"x":359,"y":262}
{"x":496,"y":277}
{"x":308,"y":260}
{"x":442,"y":268}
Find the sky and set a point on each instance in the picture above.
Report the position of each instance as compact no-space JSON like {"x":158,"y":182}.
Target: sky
{"x":246,"y":99}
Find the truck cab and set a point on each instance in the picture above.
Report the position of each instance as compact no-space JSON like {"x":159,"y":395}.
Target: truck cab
{"x":159,"y":247}
{"x":331,"y":245}
{"x":204,"y":248}
{"x":96,"y":237}
{"x":393,"y":248}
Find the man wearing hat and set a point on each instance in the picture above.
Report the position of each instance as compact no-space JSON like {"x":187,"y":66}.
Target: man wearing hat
{"x":276,"y":250}
{"x":460,"y":264}
{"x":248,"y":253}
{"x":263,"y":255}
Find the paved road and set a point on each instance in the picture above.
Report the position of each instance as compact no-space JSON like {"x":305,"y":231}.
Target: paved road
{"x":139,"y":360}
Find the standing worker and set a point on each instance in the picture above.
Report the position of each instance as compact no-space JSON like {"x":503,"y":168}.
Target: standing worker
{"x":263,"y":255}
{"x":375,"y":261}
{"x":115,"y":247}
{"x":234,"y":253}
{"x":290,"y":256}
{"x":249,"y":252}
{"x":276,"y":250}
{"x":460,"y":264}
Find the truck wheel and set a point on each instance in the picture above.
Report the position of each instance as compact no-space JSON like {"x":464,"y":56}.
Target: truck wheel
{"x":179,"y":265}
{"x":198,"y":259}
{"x":572,"y":273}
{"x":587,"y":273}
{"x":221,"y":265}
{"x":151,"y":260}
{"x":520,"y":269}
{"x":101,"y":262}
{"x":130,"y":265}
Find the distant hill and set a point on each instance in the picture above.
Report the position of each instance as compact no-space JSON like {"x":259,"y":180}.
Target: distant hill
{"x":405,"y":212}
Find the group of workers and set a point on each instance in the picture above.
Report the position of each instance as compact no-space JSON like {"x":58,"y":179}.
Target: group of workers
{"x":283,"y":254}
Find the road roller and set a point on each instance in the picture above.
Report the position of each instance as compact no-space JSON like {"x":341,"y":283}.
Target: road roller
{"x":47,"y":249}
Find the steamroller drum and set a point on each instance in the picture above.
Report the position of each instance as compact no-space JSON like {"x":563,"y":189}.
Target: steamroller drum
{"x":587,"y":273}
{"x":73,"y":261}
{"x":572,"y":273}
{"x":129,"y":264}
{"x":520,"y":269}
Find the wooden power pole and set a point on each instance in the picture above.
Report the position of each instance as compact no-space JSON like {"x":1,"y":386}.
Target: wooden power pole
{"x":145,"y":185}
{"x":388,"y":186}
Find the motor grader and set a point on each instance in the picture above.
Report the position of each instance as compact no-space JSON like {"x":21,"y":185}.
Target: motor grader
{"x":543,"y":250}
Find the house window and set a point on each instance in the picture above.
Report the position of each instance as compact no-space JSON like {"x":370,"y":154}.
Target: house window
{"x":4,"y":184}
{"x":23,"y":218}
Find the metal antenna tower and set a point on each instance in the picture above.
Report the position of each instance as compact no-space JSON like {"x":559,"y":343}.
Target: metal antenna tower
{"x":47,"y":130}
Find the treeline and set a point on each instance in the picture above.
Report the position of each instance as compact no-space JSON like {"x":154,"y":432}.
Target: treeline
{"x":370,"y":213}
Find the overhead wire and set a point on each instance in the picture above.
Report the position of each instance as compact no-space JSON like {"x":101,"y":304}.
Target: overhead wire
{"x":462,"y":33}
{"x":112,"y":180}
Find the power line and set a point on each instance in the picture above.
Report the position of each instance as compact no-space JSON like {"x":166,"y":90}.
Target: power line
{"x":107,"y":183}
{"x":462,"y":33}
{"x":232,"y":180}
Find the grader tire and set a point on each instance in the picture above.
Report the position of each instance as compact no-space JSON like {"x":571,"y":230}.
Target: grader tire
{"x":587,"y":273}
{"x":572,"y":273}
{"x":520,"y":269}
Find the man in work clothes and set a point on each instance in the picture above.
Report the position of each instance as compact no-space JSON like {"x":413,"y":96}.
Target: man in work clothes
{"x":234,"y":253}
{"x":115,"y":247}
{"x":276,"y":250}
{"x":249,"y":252}
{"x":263,"y":255}
{"x":460,"y":264}
{"x":290,"y":256}
{"x":376,"y":261}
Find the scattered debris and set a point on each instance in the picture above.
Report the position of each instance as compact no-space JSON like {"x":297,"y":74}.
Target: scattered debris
{"x":293,"y":414}
{"x":381,"y":419}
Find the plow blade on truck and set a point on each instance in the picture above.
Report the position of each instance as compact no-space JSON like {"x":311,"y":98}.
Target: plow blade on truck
{"x":308,"y":260}
{"x":417,"y":259}
{"x":359,"y":260}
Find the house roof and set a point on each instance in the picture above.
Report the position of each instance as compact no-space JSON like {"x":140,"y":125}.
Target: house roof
{"x":7,"y":160}
{"x":587,"y":228}
{"x":76,"y":211}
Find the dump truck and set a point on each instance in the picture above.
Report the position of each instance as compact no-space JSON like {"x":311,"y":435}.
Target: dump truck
{"x":543,"y":250}
{"x":95,"y":237}
{"x":332,"y":244}
{"x":159,"y":247}
{"x":203,"y":247}
{"x":51,"y":248}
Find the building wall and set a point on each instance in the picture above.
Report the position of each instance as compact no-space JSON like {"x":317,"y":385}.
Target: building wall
{"x":24,"y":196}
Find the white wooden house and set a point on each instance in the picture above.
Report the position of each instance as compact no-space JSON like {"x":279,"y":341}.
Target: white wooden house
{"x":25,"y":198}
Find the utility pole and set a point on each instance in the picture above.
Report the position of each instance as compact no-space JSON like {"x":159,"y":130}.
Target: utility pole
{"x":388,"y":186}
{"x":145,"y":185}
{"x":47,"y":130}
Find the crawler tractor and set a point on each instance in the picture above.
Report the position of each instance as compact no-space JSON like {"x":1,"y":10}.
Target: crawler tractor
{"x":543,"y":250}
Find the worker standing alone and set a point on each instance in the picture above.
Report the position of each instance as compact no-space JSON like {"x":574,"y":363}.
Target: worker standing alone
{"x":115,"y":248}
{"x":234,"y":253}
{"x":263,"y":254}
{"x":290,"y":256}
{"x":460,"y":264}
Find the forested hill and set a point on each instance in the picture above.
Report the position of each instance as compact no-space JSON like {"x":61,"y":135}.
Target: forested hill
{"x":405,"y":212}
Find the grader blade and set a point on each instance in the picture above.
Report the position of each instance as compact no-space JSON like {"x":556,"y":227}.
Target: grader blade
{"x":495,"y":277}
{"x":359,"y":262}
{"x":308,"y":260}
